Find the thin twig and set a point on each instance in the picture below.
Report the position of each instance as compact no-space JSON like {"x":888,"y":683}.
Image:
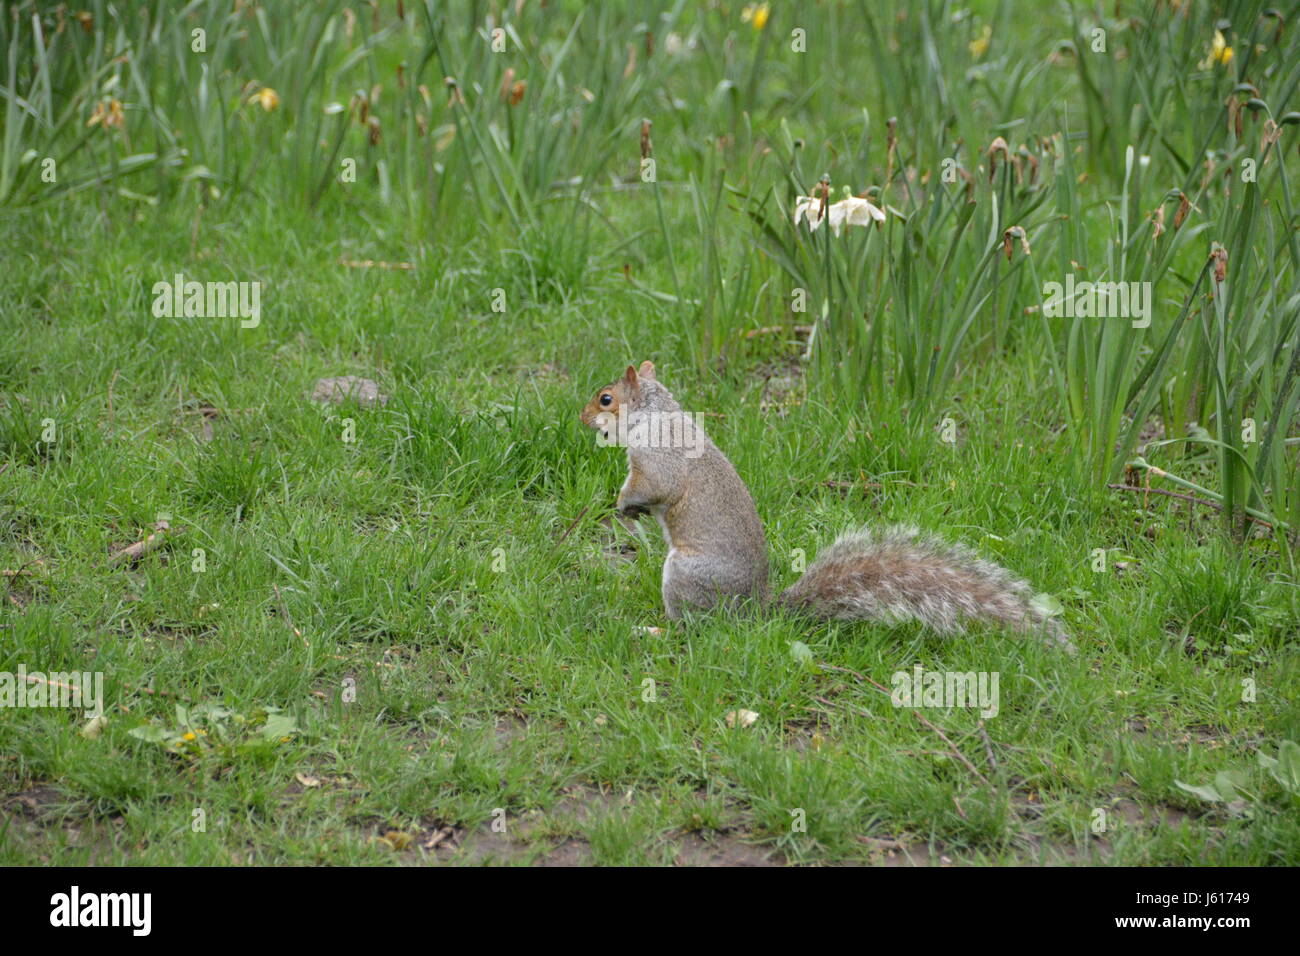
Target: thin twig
{"x":866,"y":680}
{"x":943,"y":736}
{"x":155,"y":693}
{"x":21,"y":569}
{"x":988,"y":747}
{"x":31,"y":679}
{"x":953,"y":747}
{"x":917,"y":714}
{"x":572,"y":525}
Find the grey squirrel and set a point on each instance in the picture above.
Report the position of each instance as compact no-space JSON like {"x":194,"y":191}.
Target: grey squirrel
{"x":717,"y":552}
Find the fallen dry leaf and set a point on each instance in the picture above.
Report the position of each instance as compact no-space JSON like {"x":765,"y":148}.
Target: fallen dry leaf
{"x":395,"y":840}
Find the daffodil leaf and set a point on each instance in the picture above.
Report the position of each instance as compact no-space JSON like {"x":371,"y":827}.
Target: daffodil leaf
{"x":1206,"y":792}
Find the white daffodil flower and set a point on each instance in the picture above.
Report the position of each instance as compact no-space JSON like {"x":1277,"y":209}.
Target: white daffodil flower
{"x":853,"y":211}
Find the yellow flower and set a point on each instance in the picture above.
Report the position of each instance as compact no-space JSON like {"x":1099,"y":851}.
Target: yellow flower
{"x":980,"y":45}
{"x":188,"y":736}
{"x":756,"y":15}
{"x":1220,"y":52}
{"x":109,"y":113}
{"x":266,"y":98}
{"x":1220,"y":49}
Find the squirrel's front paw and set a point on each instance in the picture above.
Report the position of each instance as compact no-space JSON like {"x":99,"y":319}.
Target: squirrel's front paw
{"x":632,"y":511}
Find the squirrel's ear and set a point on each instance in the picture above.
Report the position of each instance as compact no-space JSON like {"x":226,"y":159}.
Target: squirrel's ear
{"x":629,"y":379}
{"x":647,"y":370}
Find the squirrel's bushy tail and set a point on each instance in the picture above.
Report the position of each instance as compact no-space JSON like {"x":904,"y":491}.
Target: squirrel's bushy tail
{"x":898,"y":574}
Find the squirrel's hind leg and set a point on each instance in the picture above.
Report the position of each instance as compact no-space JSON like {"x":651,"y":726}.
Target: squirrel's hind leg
{"x":702,"y":582}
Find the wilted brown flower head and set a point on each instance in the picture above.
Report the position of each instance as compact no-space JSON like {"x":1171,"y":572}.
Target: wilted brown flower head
{"x":1158,"y":221}
{"x":108,"y":113}
{"x":1015,"y":232}
{"x":998,"y":145}
{"x":1220,"y":257}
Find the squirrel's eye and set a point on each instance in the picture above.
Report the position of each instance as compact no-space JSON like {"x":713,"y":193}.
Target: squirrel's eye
{"x":606,"y":399}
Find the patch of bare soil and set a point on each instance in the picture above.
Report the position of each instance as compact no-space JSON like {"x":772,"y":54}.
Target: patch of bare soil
{"x":550,"y":839}
{"x":33,"y":812}
{"x":1159,"y":816}
{"x":722,"y":849}
{"x":37,"y":802}
{"x":892,"y":851}
{"x":1204,"y":735}
{"x":783,"y":388}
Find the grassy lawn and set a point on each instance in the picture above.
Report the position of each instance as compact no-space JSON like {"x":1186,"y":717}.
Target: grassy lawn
{"x":415,"y":631}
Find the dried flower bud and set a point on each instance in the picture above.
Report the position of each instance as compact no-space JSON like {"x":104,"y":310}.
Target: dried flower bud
{"x":1271,"y":134}
{"x":456,"y":97}
{"x":1015,"y":232}
{"x":998,"y":145}
{"x":1031,"y":161}
{"x":1220,"y":256}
